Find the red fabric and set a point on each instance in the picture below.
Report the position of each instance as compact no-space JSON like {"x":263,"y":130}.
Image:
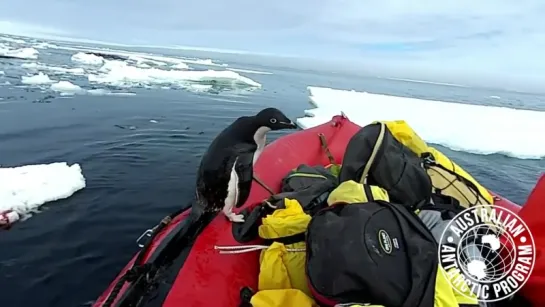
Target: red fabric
{"x":209,"y":278}
{"x":534,"y":216}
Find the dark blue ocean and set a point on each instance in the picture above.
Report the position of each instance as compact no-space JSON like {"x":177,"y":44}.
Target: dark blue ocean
{"x":139,"y":153}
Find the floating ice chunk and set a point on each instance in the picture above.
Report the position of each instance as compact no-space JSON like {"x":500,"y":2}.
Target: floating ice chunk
{"x":66,"y":87}
{"x":2,"y":72}
{"x":32,"y":65}
{"x":24,"y":189}
{"x":40,"y":78}
{"x":472,"y":128}
{"x":24,"y":53}
{"x":145,"y":62}
{"x":103,"y":92}
{"x":200,"y":87}
{"x":207,"y":62}
{"x":44,"y":45}
{"x":62,"y":70}
{"x":118,"y":73}
{"x":180,"y":66}
{"x":158,"y":60}
{"x":54,"y":69}
{"x":218,"y":76}
{"x":87,"y":59}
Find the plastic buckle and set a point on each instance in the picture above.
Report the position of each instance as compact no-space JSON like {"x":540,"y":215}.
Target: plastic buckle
{"x":146,"y":233}
{"x":427,"y":158}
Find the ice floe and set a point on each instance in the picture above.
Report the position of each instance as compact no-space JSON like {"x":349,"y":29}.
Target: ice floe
{"x":182,"y":66}
{"x":40,"y":78}
{"x":66,"y":87}
{"x":24,"y":189}
{"x":54,"y":69}
{"x":103,"y":92}
{"x":206,"y":62}
{"x":472,"y":128}
{"x":22,"y":53}
{"x":121,"y":74}
{"x":87,"y":59}
{"x":45,"y":45}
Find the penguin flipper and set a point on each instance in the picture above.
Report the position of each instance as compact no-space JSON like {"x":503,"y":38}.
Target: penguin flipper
{"x":244,"y":169}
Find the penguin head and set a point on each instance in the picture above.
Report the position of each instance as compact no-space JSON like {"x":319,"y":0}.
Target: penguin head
{"x":274,"y":119}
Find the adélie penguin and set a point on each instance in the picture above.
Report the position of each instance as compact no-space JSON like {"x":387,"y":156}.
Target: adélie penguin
{"x":225,"y":174}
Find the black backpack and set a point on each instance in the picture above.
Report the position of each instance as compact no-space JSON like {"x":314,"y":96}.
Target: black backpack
{"x":371,"y":253}
{"x":374,"y":156}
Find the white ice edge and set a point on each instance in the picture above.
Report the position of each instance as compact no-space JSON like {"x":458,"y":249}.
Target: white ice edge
{"x":20,"y":53}
{"x":463,"y":127}
{"x":24,"y":189}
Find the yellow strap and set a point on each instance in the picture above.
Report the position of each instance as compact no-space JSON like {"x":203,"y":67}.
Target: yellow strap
{"x":376,"y":148}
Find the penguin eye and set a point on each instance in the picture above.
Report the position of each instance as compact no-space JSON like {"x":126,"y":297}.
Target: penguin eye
{"x":273,"y":120}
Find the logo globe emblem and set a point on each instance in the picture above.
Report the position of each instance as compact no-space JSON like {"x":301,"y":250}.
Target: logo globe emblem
{"x":487,"y":252}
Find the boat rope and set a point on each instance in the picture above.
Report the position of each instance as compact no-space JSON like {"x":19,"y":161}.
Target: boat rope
{"x":263,"y":184}
{"x":323,"y":142}
{"x":131,"y":275}
{"x":240,"y":249}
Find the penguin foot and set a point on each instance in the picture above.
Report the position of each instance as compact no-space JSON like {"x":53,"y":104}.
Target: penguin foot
{"x":235,"y":218}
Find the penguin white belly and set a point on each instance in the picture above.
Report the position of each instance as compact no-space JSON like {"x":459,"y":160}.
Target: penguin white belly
{"x":232,"y":197}
{"x":260,"y":138}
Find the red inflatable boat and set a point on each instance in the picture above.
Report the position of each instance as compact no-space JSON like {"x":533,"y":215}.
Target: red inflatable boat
{"x":179,"y":267}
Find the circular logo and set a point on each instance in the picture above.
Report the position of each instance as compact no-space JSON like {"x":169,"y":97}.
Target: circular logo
{"x":385,"y":241}
{"x":487,"y":253}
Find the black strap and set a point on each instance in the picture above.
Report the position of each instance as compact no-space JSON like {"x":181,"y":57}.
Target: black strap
{"x":248,"y":231}
{"x":296,"y":238}
{"x":246,"y":294}
{"x":368,"y":192}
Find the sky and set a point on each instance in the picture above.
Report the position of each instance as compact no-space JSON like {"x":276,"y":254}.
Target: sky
{"x":500,"y":39}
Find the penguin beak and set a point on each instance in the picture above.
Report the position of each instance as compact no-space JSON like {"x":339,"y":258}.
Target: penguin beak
{"x":290,"y":125}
